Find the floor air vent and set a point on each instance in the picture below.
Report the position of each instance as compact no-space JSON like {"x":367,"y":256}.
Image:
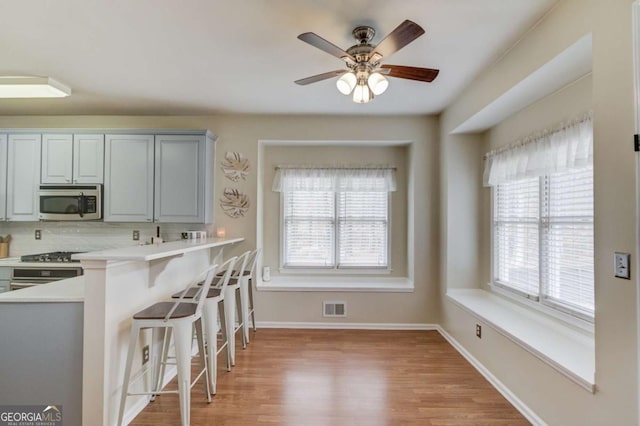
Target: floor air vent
{"x":334,"y":309}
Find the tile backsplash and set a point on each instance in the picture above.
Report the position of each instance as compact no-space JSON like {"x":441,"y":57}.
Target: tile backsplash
{"x":86,"y":236}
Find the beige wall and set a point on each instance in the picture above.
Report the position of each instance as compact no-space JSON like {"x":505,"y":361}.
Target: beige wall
{"x":241,"y":133}
{"x":395,"y":156}
{"x":609,"y":93}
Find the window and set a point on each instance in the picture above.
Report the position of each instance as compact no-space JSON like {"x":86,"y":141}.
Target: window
{"x":543,"y":229}
{"x":334,"y":219}
{"x":543,"y":239}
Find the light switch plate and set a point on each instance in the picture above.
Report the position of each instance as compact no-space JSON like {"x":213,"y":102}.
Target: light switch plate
{"x":622,"y":263}
{"x":266,"y":273}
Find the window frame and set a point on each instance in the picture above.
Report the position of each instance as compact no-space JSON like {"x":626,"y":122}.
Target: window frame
{"x":335,"y":269}
{"x":541,"y":301}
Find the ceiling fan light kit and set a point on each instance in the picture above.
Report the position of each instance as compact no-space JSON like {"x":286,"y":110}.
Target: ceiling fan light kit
{"x":378,"y":83}
{"x":32,"y":87}
{"x":347,"y":83}
{"x":365,"y":76}
{"x":362,"y":94}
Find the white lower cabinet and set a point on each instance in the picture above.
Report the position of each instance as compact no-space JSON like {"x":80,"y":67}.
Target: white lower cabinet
{"x":128,"y":178}
{"x":181,"y":184}
{"x":23,"y":176}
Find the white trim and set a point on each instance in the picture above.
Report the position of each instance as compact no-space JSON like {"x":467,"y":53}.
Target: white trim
{"x":563,"y":348}
{"x":413,"y":166}
{"x":345,"y":325}
{"x":523,"y":408}
{"x":333,"y":271}
{"x":326,"y":283}
{"x":636,"y":83}
{"x":544,"y":308}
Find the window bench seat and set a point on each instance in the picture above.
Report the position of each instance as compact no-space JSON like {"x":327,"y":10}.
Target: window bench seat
{"x":566,"y":349}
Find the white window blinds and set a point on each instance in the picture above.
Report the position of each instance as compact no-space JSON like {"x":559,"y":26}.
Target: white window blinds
{"x":308,"y":229}
{"x":516,"y":229}
{"x":543,"y":218}
{"x":335,"y":218}
{"x":362,"y":229}
{"x":568,"y":241}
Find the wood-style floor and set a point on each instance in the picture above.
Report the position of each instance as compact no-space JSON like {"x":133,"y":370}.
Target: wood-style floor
{"x":342,"y":378}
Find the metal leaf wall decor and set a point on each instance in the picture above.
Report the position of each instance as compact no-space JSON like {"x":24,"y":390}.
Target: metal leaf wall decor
{"x":235,"y":166}
{"x":234,"y":204}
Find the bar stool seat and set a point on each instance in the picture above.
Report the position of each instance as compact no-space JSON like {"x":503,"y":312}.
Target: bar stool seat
{"x":213,"y":292}
{"x":162,"y":309}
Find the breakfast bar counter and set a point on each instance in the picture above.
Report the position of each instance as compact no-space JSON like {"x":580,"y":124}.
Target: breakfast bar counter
{"x":149,"y":252}
{"x":119,"y":283}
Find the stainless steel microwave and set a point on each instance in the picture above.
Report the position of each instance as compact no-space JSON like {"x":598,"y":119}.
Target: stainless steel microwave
{"x":70,"y":202}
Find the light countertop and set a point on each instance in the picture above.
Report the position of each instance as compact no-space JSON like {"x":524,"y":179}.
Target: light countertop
{"x":69,"y":290}
{"x":149,"y":252}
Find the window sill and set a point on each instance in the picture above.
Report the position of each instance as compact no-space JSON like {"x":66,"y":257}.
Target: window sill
{"x":566,"y":349}
{"x":330,"y":283}
{"x":329,"y":272}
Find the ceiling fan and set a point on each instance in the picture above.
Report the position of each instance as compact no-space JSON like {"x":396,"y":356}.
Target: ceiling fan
{"x":365,"y":76}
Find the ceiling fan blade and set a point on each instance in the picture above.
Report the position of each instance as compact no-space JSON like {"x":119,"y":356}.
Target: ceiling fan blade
{"x":319,"y":77}
{"x":411,"y":73}
{"x":404,"y":34}
{"x":324,"y":45}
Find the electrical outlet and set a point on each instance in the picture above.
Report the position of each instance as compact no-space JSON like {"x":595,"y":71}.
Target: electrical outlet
{"x":136,"y":235}
{"x":478,"y":331}
{"x":145,"y":355}
{"x":38,"y":234}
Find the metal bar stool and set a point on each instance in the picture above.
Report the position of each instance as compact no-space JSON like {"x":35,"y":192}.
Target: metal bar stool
{"x":214,"y":310}
{"x":180,"y":316}
{"x":235,"y":295}
{"x":246,"y":292}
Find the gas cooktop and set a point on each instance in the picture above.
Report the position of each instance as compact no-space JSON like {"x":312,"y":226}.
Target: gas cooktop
{"x":53,"y":257}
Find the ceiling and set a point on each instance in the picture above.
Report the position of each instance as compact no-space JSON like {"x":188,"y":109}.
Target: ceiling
{"x":189,"y":57}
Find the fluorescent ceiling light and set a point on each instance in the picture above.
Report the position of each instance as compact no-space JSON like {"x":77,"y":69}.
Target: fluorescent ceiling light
{"x":32,"y":87}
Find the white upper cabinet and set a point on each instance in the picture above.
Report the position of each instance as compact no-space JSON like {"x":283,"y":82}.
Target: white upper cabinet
{"x":23,"y":176}
{"x":88,"y":158}
{"x":70,"y":158}
{"x":181,"y":165}
{"x":128,"y":178}
{"x":57,"y":152}
{"x":3,"y":177}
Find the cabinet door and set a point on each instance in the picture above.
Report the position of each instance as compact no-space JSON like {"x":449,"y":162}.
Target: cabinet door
{"x":179,"y":179}
{"x":3,"y":177}
{"x":56,"y":158}
{"x":5,"y":277}
{"x":128,"y":178}
{"x":88,"y":158}
{"x":23,"y":177}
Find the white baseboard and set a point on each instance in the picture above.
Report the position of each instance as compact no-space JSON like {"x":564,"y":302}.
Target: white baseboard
{"x":345,"y":325}
{"x":527,"y":412}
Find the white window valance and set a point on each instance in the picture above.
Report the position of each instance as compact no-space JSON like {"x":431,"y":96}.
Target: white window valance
{"x":570,"y":147}
{"x":334,"y":179}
